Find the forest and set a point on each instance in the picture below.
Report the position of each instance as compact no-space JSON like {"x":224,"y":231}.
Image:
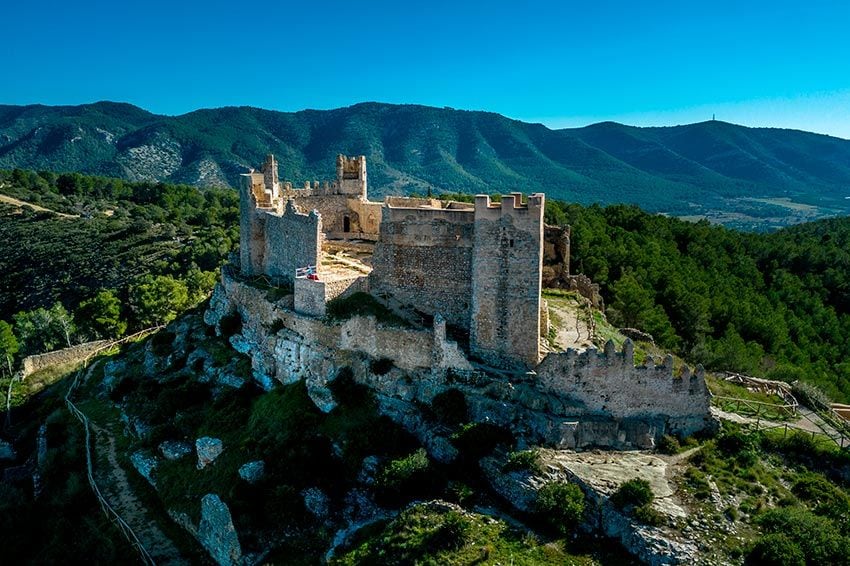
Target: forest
{"x":775,"y":305}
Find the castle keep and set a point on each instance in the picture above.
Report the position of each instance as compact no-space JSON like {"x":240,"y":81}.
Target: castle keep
{"x":477,"y":266}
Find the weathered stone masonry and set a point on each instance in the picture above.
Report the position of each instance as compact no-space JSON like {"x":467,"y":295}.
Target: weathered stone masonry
{"x":477,"y":266}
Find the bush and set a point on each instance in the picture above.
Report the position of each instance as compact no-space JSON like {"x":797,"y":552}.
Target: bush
{"x":776,"y":550}
{"x":816,"y":536}
{"x":524,"y":460}
{"x":410,"y":476}
{"x":669,"y":445}
{"x":161,"y":342}
{"x":647,"y":515}
{"x":453,"y":532}
{"x":633,"y":493}
{"x":361,"y":304}
{"x":476,"y":440}
{"x":561,"y":505}
{"x":450,"y":407}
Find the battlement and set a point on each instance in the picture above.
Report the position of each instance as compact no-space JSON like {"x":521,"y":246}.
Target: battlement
{"x":609,"y":383}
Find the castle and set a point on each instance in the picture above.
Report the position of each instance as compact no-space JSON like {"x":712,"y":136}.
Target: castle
{"x":477,"y":266}
{"x":472,"y":270}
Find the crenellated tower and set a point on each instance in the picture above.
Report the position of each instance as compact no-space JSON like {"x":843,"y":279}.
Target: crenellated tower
{"x":507,"y":261}
{"x":351,"y":176}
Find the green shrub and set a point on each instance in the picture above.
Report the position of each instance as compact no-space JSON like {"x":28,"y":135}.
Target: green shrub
{"x":161,"y":342}
{"x":524,"y":460}
{"x":561,"y":505}
{"x":453,"y":532}
{"x":647,"y":515}
{"x":633,"y":493}
{"x":450,"y":407}
{"x":775,"y":550}
{"x":816,"y":536}
{"x":409,"y":477}
{"x":476,"y":440}
{"x":669,"y":445}
{"x":362,"y":304}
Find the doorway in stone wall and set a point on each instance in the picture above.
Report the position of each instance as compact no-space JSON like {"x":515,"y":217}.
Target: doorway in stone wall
{"x":346,"y":224}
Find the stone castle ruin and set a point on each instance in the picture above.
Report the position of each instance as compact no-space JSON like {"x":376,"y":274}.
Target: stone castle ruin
{"x":472,"y":271}
{"x":476,"y":265}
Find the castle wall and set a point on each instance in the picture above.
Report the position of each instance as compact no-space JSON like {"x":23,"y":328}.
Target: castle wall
{"x":422,"y":261}
{"x":292,"y":240}
{"x":608,"y":383}
{"x":252,"y":245}
{"x":312,"y":296}
{"x":506,"y":280}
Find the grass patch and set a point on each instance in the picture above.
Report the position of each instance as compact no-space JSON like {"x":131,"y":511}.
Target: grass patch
{"x":362,"y":304}
{"x":439,"y":534}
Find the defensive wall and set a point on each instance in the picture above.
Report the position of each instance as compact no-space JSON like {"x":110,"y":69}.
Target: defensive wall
{"x":73,"y":355}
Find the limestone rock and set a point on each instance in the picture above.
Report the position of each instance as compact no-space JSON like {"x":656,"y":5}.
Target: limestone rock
{"x":7,"y":451}
{"x":369,"y":470}
{"x":217,"y":533}
{"x":208,"y":450}
{"x":175,"y":449}
{"x":146,"y":464}
{"x":316,"y":502}
{"x":253,"y":471}
{"x":112,"y":372}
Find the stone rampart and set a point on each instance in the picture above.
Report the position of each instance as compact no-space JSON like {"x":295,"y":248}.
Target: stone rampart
{"x":66,"y":356}
{"x":608,"y":383}
{"x":422,"y":261}
{"x":282,"y":258}
{"x":312,"y":296}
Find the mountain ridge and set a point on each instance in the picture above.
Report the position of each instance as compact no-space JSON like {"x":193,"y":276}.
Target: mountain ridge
{"x":700,"y":169}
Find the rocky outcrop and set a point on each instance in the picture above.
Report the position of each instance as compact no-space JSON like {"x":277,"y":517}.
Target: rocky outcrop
{"x":599,"y":474}
{"x":146,"y":464}
{"x":252,"y":472}
{"x":217,"y":533}
{"x":175,"y":449}
{"x":7,"y":451}
{"x":208,"y":450}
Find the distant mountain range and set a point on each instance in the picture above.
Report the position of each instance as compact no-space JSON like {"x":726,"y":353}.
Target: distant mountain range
{"x":730,"y":173}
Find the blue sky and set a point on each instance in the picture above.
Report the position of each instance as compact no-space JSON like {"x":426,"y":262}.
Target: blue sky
{"x":569,"y":63}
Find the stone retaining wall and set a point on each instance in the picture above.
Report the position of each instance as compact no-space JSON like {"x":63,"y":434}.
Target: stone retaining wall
{"x":66,"y":356}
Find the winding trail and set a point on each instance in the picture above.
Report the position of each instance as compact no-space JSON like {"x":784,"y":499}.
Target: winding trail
{"x":117,"y":490}
{"x":21,"y":203}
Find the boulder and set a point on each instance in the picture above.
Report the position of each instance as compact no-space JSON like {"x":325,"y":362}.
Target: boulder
{"x":208,"y":450}
{"x":145,"y":463}
{"x":217,"y":533}
{"x":7,"y":451}
{"x":175,"y":449}
{"x":252,"y":472}
{"x":316,"y":502}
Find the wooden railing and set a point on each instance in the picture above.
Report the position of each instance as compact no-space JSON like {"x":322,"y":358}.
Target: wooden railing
{"x":108,"y":510}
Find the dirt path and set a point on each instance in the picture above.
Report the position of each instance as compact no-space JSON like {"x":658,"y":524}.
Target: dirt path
{"x":117,"y":490}
{"x":573,"y":331}
{"x":809,"y":421}
{"x":21,"y":203}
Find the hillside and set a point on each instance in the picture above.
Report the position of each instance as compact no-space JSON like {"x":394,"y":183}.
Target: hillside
{"x":753,"y":178}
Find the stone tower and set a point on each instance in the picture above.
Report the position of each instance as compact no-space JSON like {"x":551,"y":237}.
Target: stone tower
{"x":351,"y":175}
{"x":507,"y":261}
{"x":252,"y":247}
{"x":270,"y":179}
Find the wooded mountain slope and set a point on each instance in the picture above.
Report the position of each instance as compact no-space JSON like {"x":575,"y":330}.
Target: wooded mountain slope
{"x":697,"y":169}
